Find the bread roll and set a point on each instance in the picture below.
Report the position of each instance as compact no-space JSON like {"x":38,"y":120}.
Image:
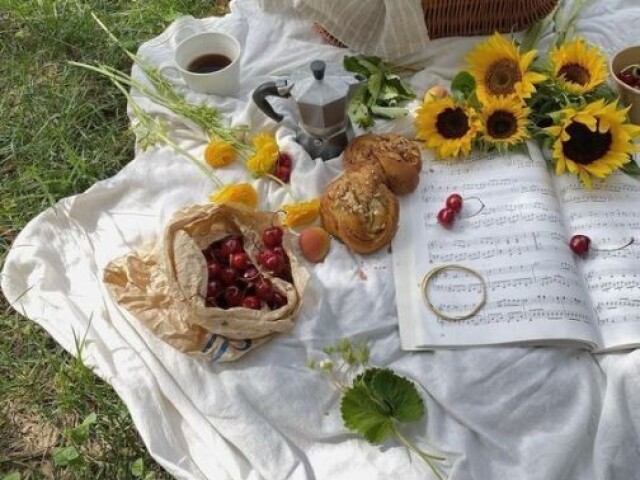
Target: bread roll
{"x":393,"y":156}
{"x":360,"y":210}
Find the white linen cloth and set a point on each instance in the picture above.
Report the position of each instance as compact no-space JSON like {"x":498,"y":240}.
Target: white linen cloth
{"x":500,"y":413}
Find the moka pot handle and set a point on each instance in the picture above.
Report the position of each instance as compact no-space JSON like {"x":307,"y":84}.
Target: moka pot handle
{"x":279,"y":88}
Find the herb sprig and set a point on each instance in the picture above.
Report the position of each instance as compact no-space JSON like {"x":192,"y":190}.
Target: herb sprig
{"x":383,"y":93}
{"x":375,"y":401}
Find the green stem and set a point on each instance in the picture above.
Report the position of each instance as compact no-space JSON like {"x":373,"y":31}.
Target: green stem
{"x":193,"y":160}
{"x":427,"y":457}
{"x":143,"y":116}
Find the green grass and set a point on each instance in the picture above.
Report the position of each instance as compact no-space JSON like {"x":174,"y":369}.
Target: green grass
{"x":63,"y":129}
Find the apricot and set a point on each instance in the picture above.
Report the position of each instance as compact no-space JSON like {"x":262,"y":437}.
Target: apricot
{"x":435,"y":93}
{"x":314,"y":243}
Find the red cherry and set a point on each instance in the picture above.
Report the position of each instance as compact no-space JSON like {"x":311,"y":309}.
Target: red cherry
{"x":274,"y":262}
{"x":250,"y":274}
{"x":264,"y":289}
{"x":272,"y":237}
{"x":283,"y":173}
{"x":239,"y":261}
{"x":229,"y":276}
{"x":233,"y":296}
{"x":579,"y":244}
{"x":215,"y":254}
{"x":214,"y":270}
{"x":446,"y":216}
{"x":231,"y":244}
{"x":214,"y":288}
{"x":278,"y":301}
{"x":454,"y":202}
{"x":252,"y":303}
{"x":284,"y":160}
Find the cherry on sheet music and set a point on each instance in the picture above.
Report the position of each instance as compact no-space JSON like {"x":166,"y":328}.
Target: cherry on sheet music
{"x":580,"y":245}
{"x":454,"y":202}
{"x":453,"y":207}
{"x":446,"y":216}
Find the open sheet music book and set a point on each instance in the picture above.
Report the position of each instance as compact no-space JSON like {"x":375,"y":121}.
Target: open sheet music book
{"x":538,"y":291}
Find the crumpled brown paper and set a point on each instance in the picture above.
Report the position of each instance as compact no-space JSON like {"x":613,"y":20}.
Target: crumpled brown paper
{"x":165,"y":287}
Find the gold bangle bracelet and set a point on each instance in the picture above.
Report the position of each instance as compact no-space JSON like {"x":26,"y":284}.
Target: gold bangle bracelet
{"x":424,"y":286}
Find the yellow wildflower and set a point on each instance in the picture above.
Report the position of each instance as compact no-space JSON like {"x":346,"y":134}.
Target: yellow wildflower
{"x":264,"y":160}
{"x":236,"y":193}
{"x":219,"y":154}
{"x":301,"y":213}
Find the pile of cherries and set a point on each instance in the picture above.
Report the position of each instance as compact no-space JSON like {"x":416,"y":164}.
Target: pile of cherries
{"x":631,"y":76}
{"x":234,"y":281}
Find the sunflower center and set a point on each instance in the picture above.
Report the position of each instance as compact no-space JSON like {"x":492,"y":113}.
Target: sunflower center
{"x":502,"y":124}
{"x":502,"y":76}
{"x":575,"y":73}
{"x":452,"y":123}
{"x":584,"y":146}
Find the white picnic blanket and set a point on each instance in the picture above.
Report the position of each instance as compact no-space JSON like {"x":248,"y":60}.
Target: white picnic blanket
{"x":500,"y":413}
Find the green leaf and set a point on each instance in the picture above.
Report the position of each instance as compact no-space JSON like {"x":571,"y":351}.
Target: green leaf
{"x":65,"y":456}
{"x":389,"y":112}
{"x":362,"y":414}
{"x":362,"y":64}
{"x":631,"y":168}
{"x":388,"y":93}
{"x":374,"y":85}
{"x":399,"y":394}
{"x":137,"y":468}
{"x":12,"y":476}
{"x":80,"y":433}
{"x":360,"y":115}
{"x":401,"y":88}
{"x":351,"y":64}
{"x":378,"y":398}
{"x":90,"y":419}
{"x":464,"y":83}
{"x":371,"y":63}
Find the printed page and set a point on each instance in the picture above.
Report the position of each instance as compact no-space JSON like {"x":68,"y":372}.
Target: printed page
{"x":610,"y":216}
{"x":518,"y":244}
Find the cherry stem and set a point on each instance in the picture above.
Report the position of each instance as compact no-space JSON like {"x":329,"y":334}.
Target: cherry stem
{"x":482,"y":205}
{"x":614,"y":249}
{"x":286,"y":186}
{"x":634,"y":69}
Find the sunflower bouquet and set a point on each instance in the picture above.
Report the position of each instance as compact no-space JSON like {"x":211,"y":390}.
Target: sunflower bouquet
{"x":508,"y":95}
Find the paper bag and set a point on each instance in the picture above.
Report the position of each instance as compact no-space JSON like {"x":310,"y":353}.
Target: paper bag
{"x":165,"y":287}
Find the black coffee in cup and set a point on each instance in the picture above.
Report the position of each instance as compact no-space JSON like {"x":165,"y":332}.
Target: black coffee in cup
{"x":210,"y":62}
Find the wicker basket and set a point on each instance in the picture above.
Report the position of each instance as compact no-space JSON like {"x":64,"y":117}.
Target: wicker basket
{"x":452,"y":18}
{"x":455,"y":18}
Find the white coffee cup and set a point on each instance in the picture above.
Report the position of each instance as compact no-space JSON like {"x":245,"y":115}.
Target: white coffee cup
{"x":217,"y":77}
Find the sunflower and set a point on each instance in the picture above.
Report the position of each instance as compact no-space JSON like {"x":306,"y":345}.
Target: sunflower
{"x":578,"y":67}
{"x":500,"y":69}
{"x":594,"y":141}
{"x":447,"y":127}
{"x":504,"y":121}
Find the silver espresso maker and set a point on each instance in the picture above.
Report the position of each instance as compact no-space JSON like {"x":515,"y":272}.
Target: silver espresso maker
{"x":322,"y":100}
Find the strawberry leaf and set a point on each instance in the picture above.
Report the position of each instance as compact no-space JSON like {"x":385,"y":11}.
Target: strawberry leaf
{"x":377,"y":399}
